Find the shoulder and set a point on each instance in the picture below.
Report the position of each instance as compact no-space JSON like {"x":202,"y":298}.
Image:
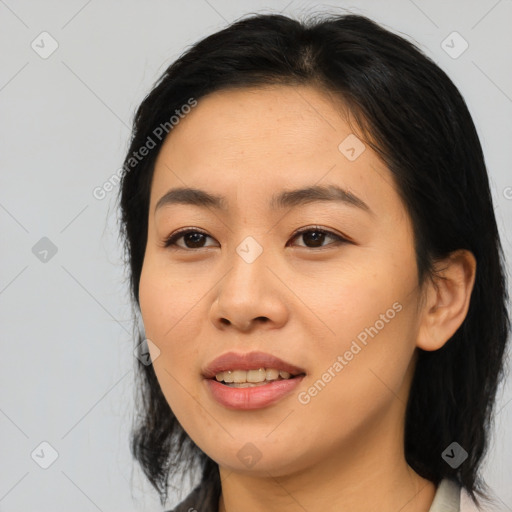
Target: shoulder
{"x":204,"y":498}
{"x":467,"y":504}
{"x":447,"y":497}
{"x":452,"y":497}
{"x":186,"y":504}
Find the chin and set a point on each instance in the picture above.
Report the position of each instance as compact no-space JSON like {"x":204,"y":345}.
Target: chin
{"x":257,"y":459}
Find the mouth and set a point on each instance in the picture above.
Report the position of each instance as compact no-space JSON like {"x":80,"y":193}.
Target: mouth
{"x":253,"y":378}
{"x":250,"y":368}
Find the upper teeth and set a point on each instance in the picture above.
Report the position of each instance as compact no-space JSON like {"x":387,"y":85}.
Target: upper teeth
{"x":252,"y":375}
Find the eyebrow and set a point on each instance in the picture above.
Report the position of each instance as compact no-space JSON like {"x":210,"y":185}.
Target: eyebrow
{"x":286,"y":199}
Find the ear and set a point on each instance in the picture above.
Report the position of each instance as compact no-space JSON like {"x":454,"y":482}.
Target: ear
{"x":446,"y":300}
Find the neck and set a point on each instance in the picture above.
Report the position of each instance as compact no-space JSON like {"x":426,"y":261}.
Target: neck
{"x":403,"y":490}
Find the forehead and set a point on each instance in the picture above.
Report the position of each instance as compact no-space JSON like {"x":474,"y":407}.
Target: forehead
{"x":246,"y":144}
{"x":253,"y":114}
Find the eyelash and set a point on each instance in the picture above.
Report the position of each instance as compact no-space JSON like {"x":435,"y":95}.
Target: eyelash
{"x":170,"y":241}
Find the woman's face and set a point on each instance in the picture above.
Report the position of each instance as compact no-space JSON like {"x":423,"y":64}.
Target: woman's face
{"x":344,"y":312}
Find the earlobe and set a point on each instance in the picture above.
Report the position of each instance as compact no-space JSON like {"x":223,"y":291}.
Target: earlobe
{"x":447,"y":299}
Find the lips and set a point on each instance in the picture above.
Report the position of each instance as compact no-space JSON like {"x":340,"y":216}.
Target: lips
{"x":249,"y":361}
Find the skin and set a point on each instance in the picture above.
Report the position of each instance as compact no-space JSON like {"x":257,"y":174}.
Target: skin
{"x":344,"y":449}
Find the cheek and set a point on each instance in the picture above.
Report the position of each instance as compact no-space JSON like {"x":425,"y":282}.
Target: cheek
{"x":361,"y":375}
{"x":168,"y":302}
{"x":362,"y":301}
{"x":164,"y":317}
{"x":369,"y":324}
{"x":170,"y":306}
{"x":168,"y":314}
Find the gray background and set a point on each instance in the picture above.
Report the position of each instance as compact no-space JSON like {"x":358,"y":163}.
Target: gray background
{"x":67,"y":363}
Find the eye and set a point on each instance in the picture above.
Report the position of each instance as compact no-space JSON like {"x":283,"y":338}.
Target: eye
{"x":192,"y":237}
{"x":316,"y":236}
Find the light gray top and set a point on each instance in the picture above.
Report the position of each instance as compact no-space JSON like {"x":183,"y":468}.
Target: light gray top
{"x":205,"y":498}
{"x":447,"y":497}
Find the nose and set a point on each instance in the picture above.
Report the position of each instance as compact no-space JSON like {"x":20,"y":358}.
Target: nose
{"x":250,"y":296}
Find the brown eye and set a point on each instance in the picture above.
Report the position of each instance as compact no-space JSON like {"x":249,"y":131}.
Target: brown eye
{"x":314,"y":237}
{"x":193,"y":239}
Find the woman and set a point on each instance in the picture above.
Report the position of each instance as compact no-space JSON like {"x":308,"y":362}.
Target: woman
{"x":314,"y":253}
